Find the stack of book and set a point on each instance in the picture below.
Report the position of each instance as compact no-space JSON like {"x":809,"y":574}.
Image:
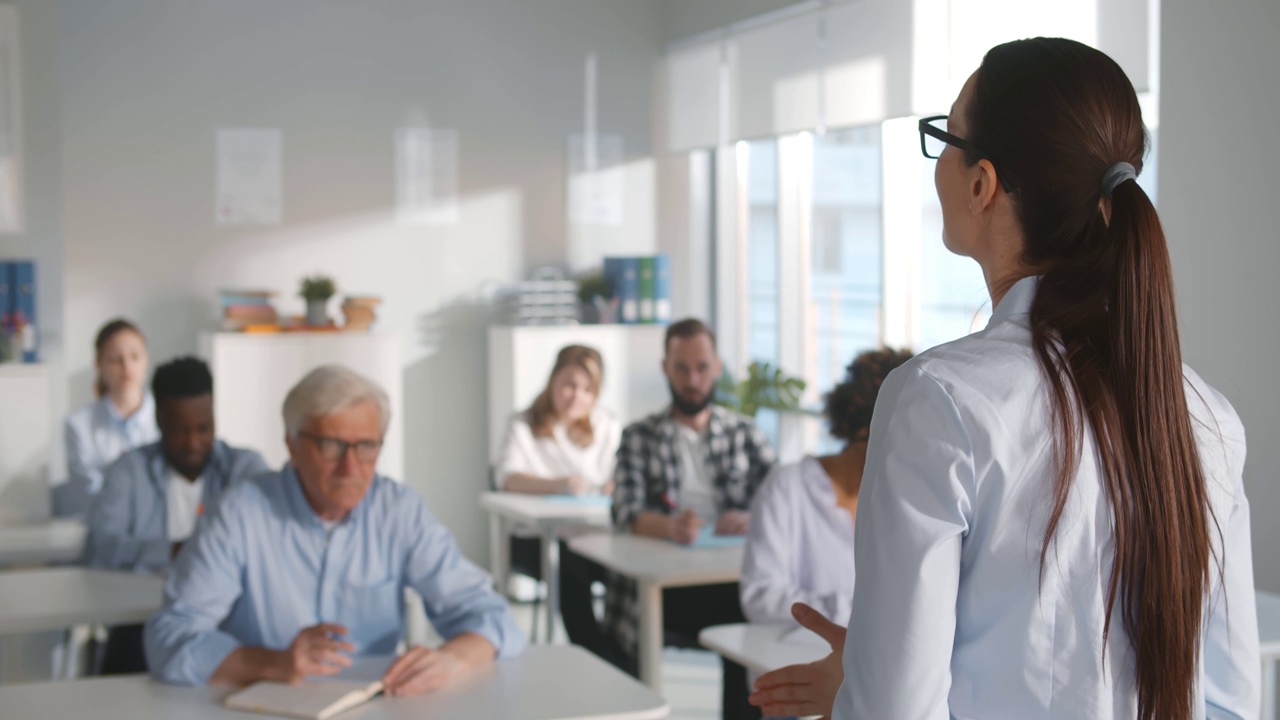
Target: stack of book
{"x":547,"y":298}
{"x":248,"y":311}
{"x":642,"y":286}
{"x":360,"y":312}
{"x":18,"y":337}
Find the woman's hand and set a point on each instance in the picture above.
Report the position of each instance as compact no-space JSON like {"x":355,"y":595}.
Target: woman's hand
{"x":804,"y":690}
{"x":574,"y":485}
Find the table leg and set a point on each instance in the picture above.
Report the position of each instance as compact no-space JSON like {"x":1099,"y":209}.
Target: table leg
{"x":649,"y":641}
{"x":1269,"y":688}
{"x":551,"y":576}
{"x":499,"y":549}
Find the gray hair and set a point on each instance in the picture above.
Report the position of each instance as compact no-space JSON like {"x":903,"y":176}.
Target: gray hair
{"x":329,"y":389}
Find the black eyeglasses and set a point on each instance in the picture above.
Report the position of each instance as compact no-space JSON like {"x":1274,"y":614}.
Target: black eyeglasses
{"x":333,"y":449}
{"x":934,"y":138}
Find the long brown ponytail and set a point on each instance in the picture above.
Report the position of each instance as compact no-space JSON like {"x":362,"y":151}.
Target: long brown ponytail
{"x":1055,"y":115}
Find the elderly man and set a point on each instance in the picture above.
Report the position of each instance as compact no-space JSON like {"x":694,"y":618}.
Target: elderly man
{"x":296,"y":571}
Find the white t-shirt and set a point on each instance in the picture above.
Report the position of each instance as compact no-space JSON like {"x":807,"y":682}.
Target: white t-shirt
{"x":696,"y":491}
{"x":557,"y":456}
{"x":183,"y":506}
{"x":799,"y":547}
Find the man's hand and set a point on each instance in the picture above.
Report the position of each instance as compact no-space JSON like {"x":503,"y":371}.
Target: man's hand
{"x":734,"y":522}
{"x":804,"y":690}
{"x":422,"y":670}
{"x":685,"y":526}
{"x":315,"y":651}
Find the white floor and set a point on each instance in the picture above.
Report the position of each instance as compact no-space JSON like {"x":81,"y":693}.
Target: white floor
{"x":690,"y":678}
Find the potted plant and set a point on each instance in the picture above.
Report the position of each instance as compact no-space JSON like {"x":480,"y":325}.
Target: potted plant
{"x":764,"y":387}
{"x":317,"y":290}
{"x":595,"y":298}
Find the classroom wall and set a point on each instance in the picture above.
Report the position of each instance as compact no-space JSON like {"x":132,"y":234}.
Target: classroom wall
{"x":41,"y":238}
{"x":145,"y":84}
{"x":683,"y":18}
{"x":1218,"y":176}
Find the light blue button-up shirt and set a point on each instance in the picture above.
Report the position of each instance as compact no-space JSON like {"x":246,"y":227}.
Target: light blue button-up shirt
{"x":128,"y":520}
{"x":96,"y":435}
{"x":262,"y":567}
{"x":952,"y":615}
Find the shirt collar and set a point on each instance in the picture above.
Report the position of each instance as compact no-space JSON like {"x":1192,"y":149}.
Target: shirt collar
{"x":216,"y":467}
{"x":1016,"y":302}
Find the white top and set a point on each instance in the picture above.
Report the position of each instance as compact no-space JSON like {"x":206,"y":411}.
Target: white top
{"x":952,"y":616}
{"x":696,"y":492}
{"x":557,"y":456}
{"x":182,"y":506}
{"x":528,"y":687}
{"x":799,"y":547}
{"x":57,"y":598}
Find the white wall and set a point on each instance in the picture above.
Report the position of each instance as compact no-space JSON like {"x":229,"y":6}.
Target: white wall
{"x":1219,"y":174}
{"x":144,"y":85}
{"x":683,"y":18}
{"x":42,"y":238}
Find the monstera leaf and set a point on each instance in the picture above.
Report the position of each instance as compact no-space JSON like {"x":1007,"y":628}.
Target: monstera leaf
{"x":765,"y":386}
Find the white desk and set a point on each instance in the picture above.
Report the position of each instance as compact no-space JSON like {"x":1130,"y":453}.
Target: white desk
{"x":59,"y":598}
{"x":763,"y":648}
{"x":55,"y":541}
{"x":548,"y":518}
{"x":655,"y":565}
{"x":545,"y":683}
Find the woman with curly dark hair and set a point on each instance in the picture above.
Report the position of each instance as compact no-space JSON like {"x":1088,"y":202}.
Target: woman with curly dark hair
{"x":800,"y":546}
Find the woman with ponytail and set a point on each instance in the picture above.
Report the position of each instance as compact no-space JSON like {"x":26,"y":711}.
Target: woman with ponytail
{"x":1052,"y":521}
{"x":123,"y":416}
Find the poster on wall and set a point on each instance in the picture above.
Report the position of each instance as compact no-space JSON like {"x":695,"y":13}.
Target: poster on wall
{"x":597,"y":180}
{"x":426,"y":162}
{"x":249,"y":176}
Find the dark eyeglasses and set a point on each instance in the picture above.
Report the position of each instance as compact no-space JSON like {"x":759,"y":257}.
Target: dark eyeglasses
{"x":934,"y":138}
{"x":333,"y":449}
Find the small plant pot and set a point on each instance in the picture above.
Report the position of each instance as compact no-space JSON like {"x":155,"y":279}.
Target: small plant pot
{"x":317,"y":312}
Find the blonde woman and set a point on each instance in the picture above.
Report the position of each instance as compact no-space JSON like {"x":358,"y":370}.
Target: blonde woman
{"x":564,"y":443}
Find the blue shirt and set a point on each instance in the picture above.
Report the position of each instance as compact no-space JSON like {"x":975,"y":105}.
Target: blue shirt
{"x":262,"y":567}
{"x":128,"y":520}
{"x":953,"y":616}
{"x":96,"y":435}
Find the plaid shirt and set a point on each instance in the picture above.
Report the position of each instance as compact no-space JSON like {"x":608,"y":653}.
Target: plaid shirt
{"x":648,"y":478}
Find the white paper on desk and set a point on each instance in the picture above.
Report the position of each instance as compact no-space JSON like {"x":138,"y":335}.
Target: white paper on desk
{"x":312,"y":701}
{"x":804,"y":636}
{"x":426,"y":176}
{"x":249,"y":176}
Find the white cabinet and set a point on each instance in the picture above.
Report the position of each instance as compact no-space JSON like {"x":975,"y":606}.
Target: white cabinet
{"x":26,"y":439}
{"x":253,"y":373}
{"x":521,"y":359}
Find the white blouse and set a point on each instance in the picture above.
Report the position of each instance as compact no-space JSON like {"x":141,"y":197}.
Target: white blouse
{"x":952,"y":617}
{"x":799,"y":548}
{"x":557,"y":456}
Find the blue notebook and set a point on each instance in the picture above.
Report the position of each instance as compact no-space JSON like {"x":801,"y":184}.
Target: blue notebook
{"x":707,"y":538}
{"x":593,"y":500}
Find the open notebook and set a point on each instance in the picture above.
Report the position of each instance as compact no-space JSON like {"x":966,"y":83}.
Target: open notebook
{"x":315,"y":701}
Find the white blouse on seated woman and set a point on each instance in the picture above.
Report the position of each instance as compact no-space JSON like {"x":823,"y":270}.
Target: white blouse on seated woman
{"x":557,"y":456}
{"x":799,"y":547}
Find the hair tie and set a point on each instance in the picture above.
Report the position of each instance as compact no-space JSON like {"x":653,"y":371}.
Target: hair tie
{"x":1116,"y":174}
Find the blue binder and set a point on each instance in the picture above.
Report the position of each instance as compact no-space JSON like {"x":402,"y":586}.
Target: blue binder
{"x":6,"y":294}
{"x":23,"y":291}
{"x":624,"y":276}
{"x":662,"y":289}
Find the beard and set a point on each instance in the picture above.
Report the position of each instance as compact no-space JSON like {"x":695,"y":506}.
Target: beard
{"x":688,"y":407}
